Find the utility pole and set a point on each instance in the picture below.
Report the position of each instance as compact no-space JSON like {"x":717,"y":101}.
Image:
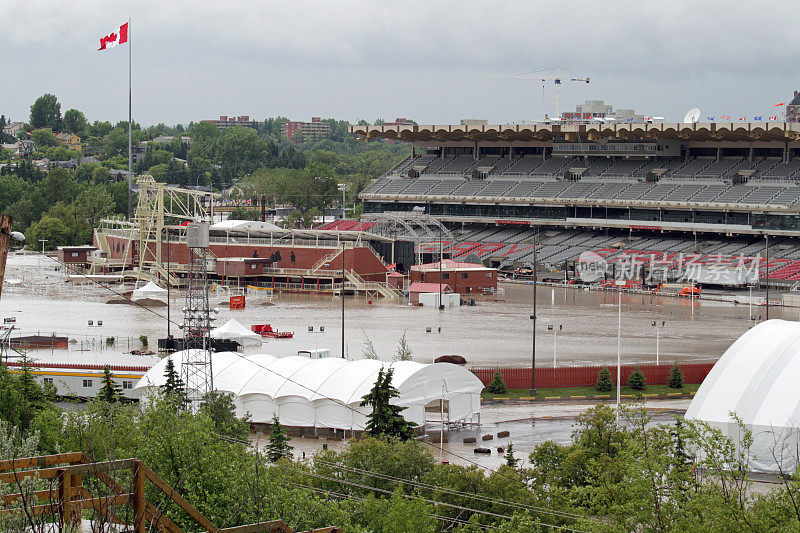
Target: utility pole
{"x":766,"y":270}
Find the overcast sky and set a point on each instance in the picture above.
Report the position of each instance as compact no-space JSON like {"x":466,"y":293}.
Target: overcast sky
{"x":418,"y":59}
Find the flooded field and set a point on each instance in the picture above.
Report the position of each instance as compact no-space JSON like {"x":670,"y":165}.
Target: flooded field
{"x":495,"y":332}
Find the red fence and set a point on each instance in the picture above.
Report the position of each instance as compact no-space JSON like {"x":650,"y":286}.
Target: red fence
{"x":80,"y":366}
{"x":586,"y":376}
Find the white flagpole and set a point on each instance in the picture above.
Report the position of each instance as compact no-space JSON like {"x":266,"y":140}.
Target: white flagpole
{"x":130,"y":123}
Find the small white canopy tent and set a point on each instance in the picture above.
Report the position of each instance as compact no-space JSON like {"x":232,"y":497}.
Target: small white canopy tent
{"x":325,"y":393}
{"x":234,"y":331}
{"x":757,"y":380}
{"x":151,"y":291}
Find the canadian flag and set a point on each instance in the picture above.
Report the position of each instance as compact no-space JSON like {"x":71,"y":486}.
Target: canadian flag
{"x":778,"y":105}
{"x":114,"y":38}
{"x":774,"y":118}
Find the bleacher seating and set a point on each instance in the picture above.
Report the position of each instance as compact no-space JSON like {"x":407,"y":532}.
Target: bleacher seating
{"x":437,"y":164}
{"x":495,"y":187}
{"x":623,"y":167}
{"x":523,"y":165}
{"x":723,"y":167}
{"x":690,"y":168}
{"x":782,"y":170}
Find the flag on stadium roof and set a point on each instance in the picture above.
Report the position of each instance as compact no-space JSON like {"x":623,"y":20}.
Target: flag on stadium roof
{"x":757,"y":118}
{"x":778,"y":105}
{"x":725,"y":116}
{"x":710,"y":118}
{"x":741,"y":118}
{"x":773,"y":118}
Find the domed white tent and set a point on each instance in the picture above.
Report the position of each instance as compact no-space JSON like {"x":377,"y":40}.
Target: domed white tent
{"x":325,"y":393}
{"x":234,"y":331}
{"x":757,"y":380}
{"x":150,"y":290}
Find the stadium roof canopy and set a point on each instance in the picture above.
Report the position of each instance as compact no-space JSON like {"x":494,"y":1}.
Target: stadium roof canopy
{"x":540,"y":132}
{"x":756,"y":379}
{"x":325,"y":393}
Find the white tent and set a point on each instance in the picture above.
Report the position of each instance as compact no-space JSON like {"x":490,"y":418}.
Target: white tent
{"x":234,"y":331}
{"x":757,"y":380}
{"x":325,"y":393}
{"x":151,"y":290}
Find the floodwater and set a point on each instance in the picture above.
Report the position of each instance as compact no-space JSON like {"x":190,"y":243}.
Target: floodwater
{"x":495,"y":332}
{"x":528,"y":424}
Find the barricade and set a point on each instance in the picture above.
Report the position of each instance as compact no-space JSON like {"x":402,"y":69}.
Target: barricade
{"x":586,"y":376}
{"x":237,"y":302}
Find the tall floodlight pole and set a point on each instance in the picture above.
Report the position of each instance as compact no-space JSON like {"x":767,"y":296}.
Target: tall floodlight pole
{"x":766,"y":270}
{"x":130,"y":121}
{"x":533,"y":318}
{"x":342,"y":187}
{"x":196,"y":370}
{"x":620,"y":284}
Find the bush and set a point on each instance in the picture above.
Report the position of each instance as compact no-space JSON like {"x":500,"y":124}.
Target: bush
{"x":497,"y":385}
{"x":675,"y":377}
{"x":604,"y":383}
{"x":143,"y":340}
{"x":636,"y":380}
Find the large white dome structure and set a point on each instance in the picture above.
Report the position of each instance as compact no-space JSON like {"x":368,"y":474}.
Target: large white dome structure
{"x":325,"y":393}
{"x":758,"y":380}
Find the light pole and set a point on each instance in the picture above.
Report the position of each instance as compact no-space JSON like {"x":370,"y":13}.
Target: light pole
{"x":43,"y":241}
{"x":533,"y":319}
{"x":552,"y":327}
{"x":344,"y":188}
{"x":433,"y":331}
{"x":320,"y":329}
{"x":658,"y":327}
{"x":619,"y":283}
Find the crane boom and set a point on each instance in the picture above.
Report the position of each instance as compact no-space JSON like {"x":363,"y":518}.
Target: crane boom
{"x":536,"y":75}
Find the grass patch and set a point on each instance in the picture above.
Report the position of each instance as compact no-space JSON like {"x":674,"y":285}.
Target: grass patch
{"x":591,"y":391}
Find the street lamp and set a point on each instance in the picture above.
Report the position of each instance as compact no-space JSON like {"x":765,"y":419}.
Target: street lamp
{"x":433,"y":331}
{"x":658,"y":327}
{"x":619,"y":283}
{"x":552,"y":327}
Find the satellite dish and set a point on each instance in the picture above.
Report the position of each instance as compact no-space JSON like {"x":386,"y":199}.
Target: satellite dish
{"x":692,"y":116}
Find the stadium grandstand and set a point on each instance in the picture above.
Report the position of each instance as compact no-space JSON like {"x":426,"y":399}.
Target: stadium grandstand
{"x":658,"y":192}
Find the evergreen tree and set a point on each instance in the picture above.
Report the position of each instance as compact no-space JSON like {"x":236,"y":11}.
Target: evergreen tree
{"x":497,"y":385}
{"x":173,"y":384}
{"x":509,"y":456}
{"x":219,"y":407}
{"x":403,"y":349}
{"x":675,"y":377}
{"x":604,"y":383}
{"x":110,"y":392}
{"x":386,"y":419}
{"x":636,"y":380}
{"x":278,"y":446}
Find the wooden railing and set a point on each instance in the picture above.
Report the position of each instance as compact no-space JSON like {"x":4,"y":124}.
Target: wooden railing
{"x":68,"y":495}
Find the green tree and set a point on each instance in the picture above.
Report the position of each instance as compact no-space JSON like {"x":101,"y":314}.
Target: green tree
{"x":46,"y":113}
{"x":675,"y":377}
{"x":50,"y":228}
{"x":75,"y":122}
{"x":403,"y":349}
{"x":44,"y":138}
{"x":278,"y":447}
{"x":497,"y":385}
{"x":604,"y":383}
{"x":110,"y":392}
{"x":386,"y":419}
{"x":219,"y":407}
{"x":636,"y":380}
{"x":509,"y":458}
{"x":369,"y":352}
{"x":172,"y":381}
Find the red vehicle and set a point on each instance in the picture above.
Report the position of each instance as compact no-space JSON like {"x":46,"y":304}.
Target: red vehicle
{"x":265,"y":330}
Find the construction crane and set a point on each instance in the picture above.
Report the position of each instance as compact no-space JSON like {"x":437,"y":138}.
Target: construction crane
{"x":557,"y":77}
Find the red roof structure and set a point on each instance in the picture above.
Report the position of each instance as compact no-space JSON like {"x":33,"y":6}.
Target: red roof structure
{"x":428,"y":287}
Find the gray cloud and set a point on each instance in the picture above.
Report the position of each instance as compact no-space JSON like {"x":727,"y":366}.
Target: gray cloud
{"x":354,"y":59}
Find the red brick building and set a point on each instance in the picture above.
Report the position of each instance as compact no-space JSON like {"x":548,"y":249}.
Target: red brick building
{"x":462,"y":278}
{"x":75,"y":255}
{"x":316,"y":130}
